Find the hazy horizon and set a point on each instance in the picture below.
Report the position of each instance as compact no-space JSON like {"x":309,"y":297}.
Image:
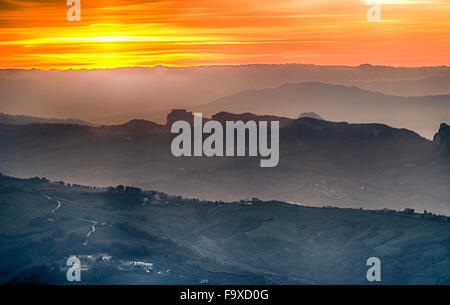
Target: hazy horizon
{"x":412,"y":66}
{"x":104,"y":96}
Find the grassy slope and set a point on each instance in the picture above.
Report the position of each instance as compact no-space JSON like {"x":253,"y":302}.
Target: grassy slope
{"x":189,"y":241}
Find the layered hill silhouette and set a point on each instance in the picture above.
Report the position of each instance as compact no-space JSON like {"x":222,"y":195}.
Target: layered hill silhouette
{"x":340,"y":103}
{"x":321,"y":162}
{"x":24,"y":120}
{"x":114,"y":96}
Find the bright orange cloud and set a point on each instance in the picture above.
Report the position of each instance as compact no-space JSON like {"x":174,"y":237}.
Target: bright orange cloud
{"x":36,"y":34}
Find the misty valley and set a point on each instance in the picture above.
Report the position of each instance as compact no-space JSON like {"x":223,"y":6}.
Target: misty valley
{"x":235,"y":139}
{"x":341,"y":194}
{"x":117,"y":181}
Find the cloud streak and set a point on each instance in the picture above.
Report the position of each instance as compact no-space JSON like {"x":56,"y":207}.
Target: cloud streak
{"x":35,"y":34}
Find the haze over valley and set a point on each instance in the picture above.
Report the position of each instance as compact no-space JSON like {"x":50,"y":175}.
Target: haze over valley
{"x":321,"y":162}
{"x":119,"y":95}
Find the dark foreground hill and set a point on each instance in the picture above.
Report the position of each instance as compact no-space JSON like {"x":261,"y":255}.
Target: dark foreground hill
{"x":128,"y":236}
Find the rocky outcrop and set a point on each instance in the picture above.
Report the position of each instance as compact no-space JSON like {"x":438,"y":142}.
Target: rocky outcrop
{"x":226,"y":116}
{"x":179,"y":115}
{"x":442,"y":139}
{"x":310,"y":115}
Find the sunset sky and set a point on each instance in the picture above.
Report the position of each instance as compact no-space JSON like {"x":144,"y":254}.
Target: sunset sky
{"x":119,"y":33}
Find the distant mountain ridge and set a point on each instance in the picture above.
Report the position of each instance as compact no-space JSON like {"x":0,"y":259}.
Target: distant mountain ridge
{"x":24,"y":119}
{"x":339,"y":103}
{"x":321,"y":162}
{"x":420,"y":87}
{"x":113,"y":96}
{"x":310,"y":115}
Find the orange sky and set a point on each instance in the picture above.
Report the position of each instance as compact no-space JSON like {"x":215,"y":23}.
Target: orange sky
{"x":117,"y":33}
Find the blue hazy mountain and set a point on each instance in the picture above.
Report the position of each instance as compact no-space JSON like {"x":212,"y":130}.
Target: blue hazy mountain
{"x":321,"y":163}
{"x":114,"y":96}
{"x":422,"y":114}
